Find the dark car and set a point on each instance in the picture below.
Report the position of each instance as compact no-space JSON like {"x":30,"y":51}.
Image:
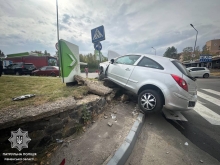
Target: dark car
{"x":19,"y":68}
{"x":47,"y":71}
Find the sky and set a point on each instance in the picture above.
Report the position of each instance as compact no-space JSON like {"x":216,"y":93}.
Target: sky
{"x":131,"y":26}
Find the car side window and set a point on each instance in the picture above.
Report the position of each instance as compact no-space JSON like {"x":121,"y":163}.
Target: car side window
{"x":127,"y":60}
{"x":43,"y":68}
{"x":49,"y":68}
{"x":14,"y":66}
{"x":9,"y":66}
{"x":147,"y":62}
{"x":194,"y":69}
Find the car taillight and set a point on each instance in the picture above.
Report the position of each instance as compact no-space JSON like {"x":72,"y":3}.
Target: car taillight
{"x":181,"y":82}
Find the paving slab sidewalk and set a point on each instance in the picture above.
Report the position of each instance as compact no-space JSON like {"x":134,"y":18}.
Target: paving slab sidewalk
{"x":100,"y":141}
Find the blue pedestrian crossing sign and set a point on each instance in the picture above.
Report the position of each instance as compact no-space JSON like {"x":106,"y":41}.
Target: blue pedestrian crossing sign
{"x":205,"y":58}
{"x":98,"y":46}
{"x":98,"y":34}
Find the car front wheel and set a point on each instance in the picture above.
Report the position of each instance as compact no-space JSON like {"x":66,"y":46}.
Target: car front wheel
{"x":17,"y":73}
{"x":101,"y":74}
{"x":150,"y":101}
{"x":53,"y":74}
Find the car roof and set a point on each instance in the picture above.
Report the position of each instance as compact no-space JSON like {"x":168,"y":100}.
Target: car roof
{"x":195,"y":67}
{"x":23,"y":63}
{"x":152,"y":56}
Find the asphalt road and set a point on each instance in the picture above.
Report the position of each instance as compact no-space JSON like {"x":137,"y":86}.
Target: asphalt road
{"x":203,"y":128}
{"x":162,"y":140}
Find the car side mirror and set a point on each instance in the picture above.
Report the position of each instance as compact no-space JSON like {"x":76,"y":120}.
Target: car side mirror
{"x":112,"y":61}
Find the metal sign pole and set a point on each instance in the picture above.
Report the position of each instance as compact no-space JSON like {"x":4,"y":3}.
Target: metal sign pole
{"x":58,"y":35}
{"x":59,"y":50}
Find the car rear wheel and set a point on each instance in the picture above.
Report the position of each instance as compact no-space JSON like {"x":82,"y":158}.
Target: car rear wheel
{"x":206,"y":75}
{"x":150,"y":101}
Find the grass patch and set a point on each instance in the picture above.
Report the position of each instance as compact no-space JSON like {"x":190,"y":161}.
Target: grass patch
{"x":215,"y":72}
{"x":46,"y":90}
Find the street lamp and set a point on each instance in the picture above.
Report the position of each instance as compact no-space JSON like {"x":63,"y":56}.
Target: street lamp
{"x":154,"y":49}
{"x":196,"y":38}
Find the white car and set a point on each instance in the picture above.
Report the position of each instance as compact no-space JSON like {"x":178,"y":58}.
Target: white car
{"x":199,"y":72}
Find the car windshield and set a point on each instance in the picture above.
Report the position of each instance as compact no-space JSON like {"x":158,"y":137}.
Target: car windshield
{"x":29,"y":66}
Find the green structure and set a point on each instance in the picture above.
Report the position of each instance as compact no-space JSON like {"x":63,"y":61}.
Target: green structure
{"x":69,"y":63}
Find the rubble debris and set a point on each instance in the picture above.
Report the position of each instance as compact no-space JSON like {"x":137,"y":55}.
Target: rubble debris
{"x":110,"y":124}
{"x":23,"y":97}
{"x":134,"y":113}
{"x":124,"y":97}
{"x":59,"y":141}
{"x":186,"y":144}
{"x":95,"y":87}
{"x":201,"y":161}
{"x":106,"y":117}
{"x":113,"y":116}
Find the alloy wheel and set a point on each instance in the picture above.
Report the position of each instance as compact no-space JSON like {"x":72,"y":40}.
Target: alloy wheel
{"x":148,"y":101}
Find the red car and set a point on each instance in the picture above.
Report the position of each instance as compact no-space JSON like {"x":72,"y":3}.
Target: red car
{"x":47,"y":71}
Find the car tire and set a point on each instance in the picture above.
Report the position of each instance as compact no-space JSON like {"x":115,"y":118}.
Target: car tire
{"x":101,"y":74}
{"x":17,"y":73}
{"x":206,"y":75}
{"x":53,"y":74}
{"x":155,"y":104}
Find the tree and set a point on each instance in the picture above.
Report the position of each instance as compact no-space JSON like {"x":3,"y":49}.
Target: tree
{"x":171,"y":52}
{"x":2,"y":54}
{"x":45,"y":52}
{"x":187,"y":53}
{"x":197,"y":53}
{"x":205,"y":50}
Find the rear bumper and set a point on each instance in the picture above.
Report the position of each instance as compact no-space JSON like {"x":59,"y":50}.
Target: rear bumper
{"x":177,"y":102}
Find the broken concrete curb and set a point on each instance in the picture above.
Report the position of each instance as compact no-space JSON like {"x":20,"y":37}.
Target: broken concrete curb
{"x":122,"y":154}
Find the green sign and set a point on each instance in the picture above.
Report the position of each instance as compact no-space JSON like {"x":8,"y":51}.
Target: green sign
{"x":69,"y":63}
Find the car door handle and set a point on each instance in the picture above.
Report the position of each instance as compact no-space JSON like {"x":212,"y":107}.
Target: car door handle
{"x":127,"y":69}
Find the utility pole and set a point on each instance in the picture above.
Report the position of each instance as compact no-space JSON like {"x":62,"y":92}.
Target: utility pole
{"x":154,"y":49}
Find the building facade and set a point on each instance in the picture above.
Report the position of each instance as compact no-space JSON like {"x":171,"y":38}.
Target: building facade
{"x":213,"y":46}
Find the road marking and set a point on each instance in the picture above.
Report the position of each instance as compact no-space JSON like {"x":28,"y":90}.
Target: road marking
{"x":207,"y":114}
{"x":212,"y":91}
{"x":209,"y":98}
{"x":200,"y":102}
{"x":174,"y":115}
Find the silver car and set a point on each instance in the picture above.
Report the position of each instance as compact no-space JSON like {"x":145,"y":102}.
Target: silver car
{"x":158,"y":81}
